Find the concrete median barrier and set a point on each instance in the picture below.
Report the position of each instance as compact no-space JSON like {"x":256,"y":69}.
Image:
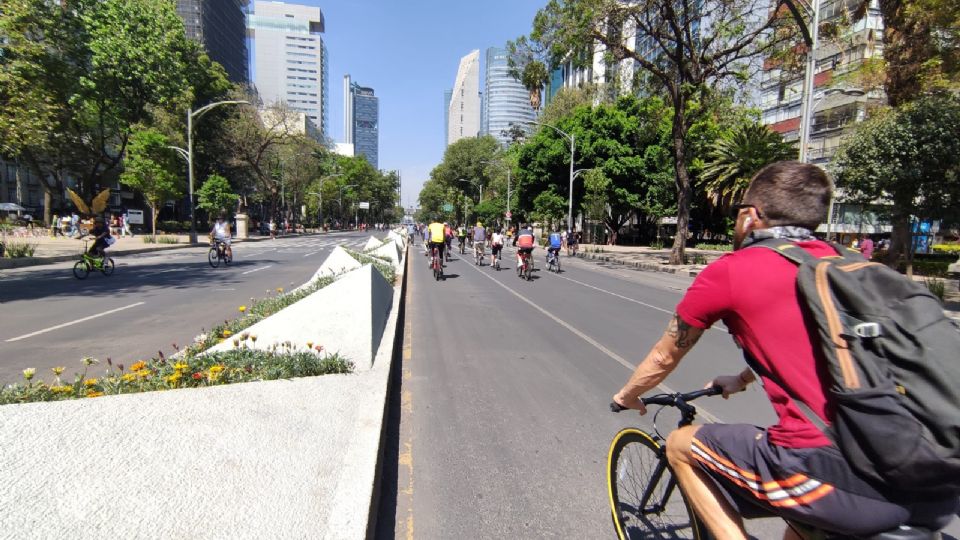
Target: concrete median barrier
{"x":278,"y":459}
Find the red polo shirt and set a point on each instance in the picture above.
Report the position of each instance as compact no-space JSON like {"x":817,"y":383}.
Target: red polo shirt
{"x":753,"y":291}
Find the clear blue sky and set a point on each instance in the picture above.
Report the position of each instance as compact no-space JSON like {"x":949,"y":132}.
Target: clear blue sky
{"x":408,"y":52}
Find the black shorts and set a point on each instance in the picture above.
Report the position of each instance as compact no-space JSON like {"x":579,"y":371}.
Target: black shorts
{"x":812,"y":486}
{"x":495,"y":248}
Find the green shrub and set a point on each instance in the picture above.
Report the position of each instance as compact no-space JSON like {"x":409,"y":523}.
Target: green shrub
{"x":714,"y":247}
{"x":952,"y":249}
{"x":936,"y":286}
{"x":657,"y":244}
{"x":926,"y":267}
{"x":15,"y":249}
{"x":160,"y":239}
{"x":382,"y":265}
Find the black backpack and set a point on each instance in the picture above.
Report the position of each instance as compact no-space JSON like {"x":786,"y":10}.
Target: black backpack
{"x":894,"y":362}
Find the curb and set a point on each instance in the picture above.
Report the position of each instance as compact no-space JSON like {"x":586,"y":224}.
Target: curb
{"x":393,"y":372}
{"x":639,"y":265}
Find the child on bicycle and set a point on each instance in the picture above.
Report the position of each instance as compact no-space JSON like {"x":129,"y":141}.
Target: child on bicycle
{"x":101,"y":236}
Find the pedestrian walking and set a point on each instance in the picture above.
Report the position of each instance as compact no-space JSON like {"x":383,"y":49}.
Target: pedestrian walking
{"x":55,"y":226}
{"x":125,"y":223}
{"x":74,"y":221}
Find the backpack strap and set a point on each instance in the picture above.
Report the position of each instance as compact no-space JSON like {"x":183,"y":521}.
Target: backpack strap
{"x":786,"y":249}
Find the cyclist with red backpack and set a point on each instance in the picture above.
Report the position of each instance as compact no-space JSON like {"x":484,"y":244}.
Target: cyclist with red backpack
{"x":525,"y":242}
{"x":866,"y":394}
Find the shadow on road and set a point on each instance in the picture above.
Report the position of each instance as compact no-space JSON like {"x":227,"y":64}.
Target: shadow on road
{"x":183,"y":274}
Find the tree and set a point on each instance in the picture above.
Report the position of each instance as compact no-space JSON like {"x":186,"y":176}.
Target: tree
{"x":566,"y":100}
{"x":216,"y":195}
{"x":549,"y":207}
{"x":623,"y":139}
{"x":689,"y":56}
{"x":735,"y":157}
{"x":148,"y":167}
{"x":921,"y":46}
{"x":909,"y":159}
{"x":528,"y":69}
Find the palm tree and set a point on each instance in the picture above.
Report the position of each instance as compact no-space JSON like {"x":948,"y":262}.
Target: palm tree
{"x":534,"y":78}
{"x":733,"y":159}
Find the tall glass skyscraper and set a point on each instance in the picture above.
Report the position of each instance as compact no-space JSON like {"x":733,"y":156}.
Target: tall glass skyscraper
{"x":219,"y":26}
{"x":361,"y":120}
{"x":289,"y":58}
{"x":505,"y":100}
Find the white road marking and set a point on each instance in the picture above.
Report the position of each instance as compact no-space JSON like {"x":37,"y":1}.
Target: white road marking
{"x":311,"y":253}
{"x":45,"y":330}
{"x":160,"y":272}
{"x":611,"y":293}
{"x":256,"y":270}
{"x":619,"y":359}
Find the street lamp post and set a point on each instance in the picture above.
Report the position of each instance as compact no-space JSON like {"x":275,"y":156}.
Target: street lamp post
{"x":508,"y":190}
{"x":340,"y":200}
{"x":570,"y":137}
{"x":475,"y":183}
{"x":188,"y":155}
{"x":807,"y":126}
{"x":320,"y":196}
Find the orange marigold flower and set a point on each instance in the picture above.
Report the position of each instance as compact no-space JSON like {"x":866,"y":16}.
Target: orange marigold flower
{"x":138,"y":366}
{"x":91,"y":393}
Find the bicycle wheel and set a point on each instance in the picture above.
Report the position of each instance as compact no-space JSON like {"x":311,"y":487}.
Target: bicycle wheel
{"x":556,"y":262}
{"x":528,"y":271}
{"x":227,"y":258}
{"x":645,"y":500}
{"x":107,"y":266}
{"x":81,"y":270}
{"x":213,"y":257}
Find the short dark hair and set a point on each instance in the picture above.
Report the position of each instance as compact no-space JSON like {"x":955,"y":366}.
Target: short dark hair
{"x":791,"y":193}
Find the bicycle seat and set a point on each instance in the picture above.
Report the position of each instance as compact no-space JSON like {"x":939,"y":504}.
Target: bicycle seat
{"x":906,"y":532}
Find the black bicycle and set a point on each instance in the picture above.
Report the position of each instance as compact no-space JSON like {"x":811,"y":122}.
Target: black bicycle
{"x":553,"y":261}
{"x":646,"y":500}
{"x":218,"y":252}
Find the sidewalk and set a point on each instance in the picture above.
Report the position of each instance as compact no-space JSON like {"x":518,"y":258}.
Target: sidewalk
{"x":657,"y":260}
{"x":52,"y":250}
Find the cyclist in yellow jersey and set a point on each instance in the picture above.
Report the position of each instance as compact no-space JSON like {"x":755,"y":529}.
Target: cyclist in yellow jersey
{"x":437,"y":237}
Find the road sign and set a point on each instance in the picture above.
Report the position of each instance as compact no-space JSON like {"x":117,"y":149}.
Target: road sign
{"x":447,"y":207}
{"x":509,"y":215}
{"x":364,"y":206}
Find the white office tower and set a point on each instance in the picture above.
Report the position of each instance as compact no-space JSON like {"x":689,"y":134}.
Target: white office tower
{"x":289,"y":59}
{"x":463,"y":114}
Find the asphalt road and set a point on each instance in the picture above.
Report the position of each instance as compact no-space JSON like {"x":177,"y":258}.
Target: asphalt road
{"x":151,"y":302}
{"x":504,"y":426}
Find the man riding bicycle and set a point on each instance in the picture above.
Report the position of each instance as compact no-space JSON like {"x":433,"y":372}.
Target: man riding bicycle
{"x":791,"y":470}
{"x":479,"y":239}
{"x":525,"y":242}
{"x":220,"y":232}
{"x":448,"y":236}
{"x":556,"y":242}
{"x":436,"y":233}
{"x":461,"y":236}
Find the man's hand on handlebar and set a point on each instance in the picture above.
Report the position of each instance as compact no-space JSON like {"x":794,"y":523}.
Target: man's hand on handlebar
{"x":732,"y":384}
{"x":629,"y":403}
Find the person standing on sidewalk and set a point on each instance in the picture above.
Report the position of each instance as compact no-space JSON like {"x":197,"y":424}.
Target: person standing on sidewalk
{"x":125,"y":224}
{"x":55,"y":226}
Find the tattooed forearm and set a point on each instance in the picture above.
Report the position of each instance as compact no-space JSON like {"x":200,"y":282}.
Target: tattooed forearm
{"x":684,"y":336}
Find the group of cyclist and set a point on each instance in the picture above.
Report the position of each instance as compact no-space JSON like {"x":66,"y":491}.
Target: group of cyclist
{"x":440,"y":236}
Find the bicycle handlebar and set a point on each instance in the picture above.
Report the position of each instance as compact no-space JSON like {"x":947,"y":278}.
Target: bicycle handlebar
{"x":672,"y":399}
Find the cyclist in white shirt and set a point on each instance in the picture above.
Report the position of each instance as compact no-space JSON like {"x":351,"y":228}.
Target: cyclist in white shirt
{"x":221,"y":232}
{"x":496,"y":244}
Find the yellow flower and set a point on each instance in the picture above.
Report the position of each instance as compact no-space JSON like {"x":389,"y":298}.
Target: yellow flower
{"x":29,"y":373}
{"x":180,"y":366}
{"x":91,"y":393}
{"x":144,"y":373}
{"x":227,"y":333}
{"x":88,"y":361}
{"x":61,"y":389}
{"x":243,"y":308}
{"x":172,"y":379}
{"x":254,"y":338}
{"x":236,"y":342}
{"x":57,"y":370}
{"x":138,"y":366}
{"x":217,"y":368}
{"x":309,"y":344}
{"x":89,"y":382}
{"x":128,"y":377}
{"x":279,"y":289}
